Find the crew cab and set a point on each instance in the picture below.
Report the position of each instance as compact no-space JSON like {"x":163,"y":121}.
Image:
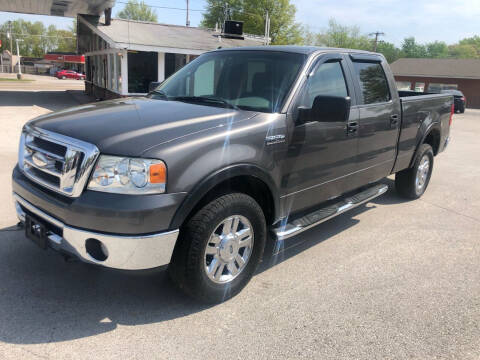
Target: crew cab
{"x":239,"y":147}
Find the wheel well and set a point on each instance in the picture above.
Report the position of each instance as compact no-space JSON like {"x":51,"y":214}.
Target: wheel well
{"x":249,"y":185}
{"x":433,"y":139}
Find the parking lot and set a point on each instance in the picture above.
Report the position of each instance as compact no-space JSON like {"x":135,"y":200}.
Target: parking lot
{"x":393,"y":279}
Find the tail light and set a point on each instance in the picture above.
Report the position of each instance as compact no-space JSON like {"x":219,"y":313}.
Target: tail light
{"x":452,"y":111}
{"x":463,"y":98}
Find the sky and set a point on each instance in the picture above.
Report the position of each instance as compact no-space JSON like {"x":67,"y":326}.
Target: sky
{"x":426,"y":20}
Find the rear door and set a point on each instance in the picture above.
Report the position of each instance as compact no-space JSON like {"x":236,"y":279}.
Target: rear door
{"x":379,"y":117}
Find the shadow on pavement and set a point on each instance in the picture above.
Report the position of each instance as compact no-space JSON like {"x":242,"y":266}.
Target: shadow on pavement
{"x":45,"y":299}
{"x":51,"y":100}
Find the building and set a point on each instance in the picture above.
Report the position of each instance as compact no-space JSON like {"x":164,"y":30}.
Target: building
{"x":124,"y":57}
{"x":433,"y":75}
{"x":68,"y":61}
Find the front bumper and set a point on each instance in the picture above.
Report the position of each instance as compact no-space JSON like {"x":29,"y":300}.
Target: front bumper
{"x":126,"y":252}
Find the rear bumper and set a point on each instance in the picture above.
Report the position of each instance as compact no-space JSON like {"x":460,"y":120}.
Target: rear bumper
{"x":126,"y":252}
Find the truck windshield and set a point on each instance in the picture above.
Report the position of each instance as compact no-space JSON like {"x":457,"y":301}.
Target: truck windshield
{"x":249,"y":80}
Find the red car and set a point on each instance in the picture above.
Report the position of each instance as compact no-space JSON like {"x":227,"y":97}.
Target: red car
{"x":69,"y":74}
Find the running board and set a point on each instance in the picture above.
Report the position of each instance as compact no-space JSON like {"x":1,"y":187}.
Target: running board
{"x":319,"y":216}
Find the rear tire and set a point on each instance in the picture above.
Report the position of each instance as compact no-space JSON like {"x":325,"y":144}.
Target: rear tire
{"x":215,"y":256}
{"x":64,"y":77}
{"x":411,"y":183}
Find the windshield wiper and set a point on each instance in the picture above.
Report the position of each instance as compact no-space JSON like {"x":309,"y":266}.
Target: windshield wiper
{"x":205,"y":99}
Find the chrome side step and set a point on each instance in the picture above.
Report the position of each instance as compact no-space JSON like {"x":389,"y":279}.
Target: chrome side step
{"x":308,"y":221}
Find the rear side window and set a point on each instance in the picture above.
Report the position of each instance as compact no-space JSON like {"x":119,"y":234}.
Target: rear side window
{"x":373,"y":82}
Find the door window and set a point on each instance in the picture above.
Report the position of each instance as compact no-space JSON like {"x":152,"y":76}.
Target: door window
{"x":328,"y":79}
{"x":373,"y":83}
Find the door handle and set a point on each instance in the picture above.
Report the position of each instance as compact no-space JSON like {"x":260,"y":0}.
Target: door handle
{"x":394,"y":120}
{"x":352,"y":128}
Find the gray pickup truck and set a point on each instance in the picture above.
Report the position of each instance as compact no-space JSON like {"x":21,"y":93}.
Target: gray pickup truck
{"x":239,"y":147}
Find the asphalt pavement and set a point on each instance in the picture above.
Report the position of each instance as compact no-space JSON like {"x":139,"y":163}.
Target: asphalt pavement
{"x":393,"y":279}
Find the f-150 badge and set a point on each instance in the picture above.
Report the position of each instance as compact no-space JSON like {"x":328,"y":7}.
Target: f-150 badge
{"x":274,"y":139}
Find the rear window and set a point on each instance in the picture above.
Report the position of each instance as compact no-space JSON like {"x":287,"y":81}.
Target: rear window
{"x":373,"y":82}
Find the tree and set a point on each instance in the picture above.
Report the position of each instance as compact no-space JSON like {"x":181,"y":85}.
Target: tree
{"x":37,"y":40}
{"x":462,"y":51}
{"x":389,"y":50}
{"x":283,"y":28}
{"x":411,"y":49}
{"x":437,"y":49}
{"x":135,"y":10}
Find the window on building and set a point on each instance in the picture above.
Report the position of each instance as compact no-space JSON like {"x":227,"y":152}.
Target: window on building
{"x":173,"y":63}
{"x":142,"y":70}
{"x":118,"y":59}
{"x":404,"y":85}
{"x":111,"y":72}
{"x":420,"y":87}
{"x":373,"y":83}
{"x":438,"y":87}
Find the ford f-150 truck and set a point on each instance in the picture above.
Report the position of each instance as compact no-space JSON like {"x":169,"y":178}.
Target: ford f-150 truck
{"x":239,"y":147}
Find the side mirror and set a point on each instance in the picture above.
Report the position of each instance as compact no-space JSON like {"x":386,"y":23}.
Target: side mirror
{"x":326,"y":109}
{"x":153,"y":85}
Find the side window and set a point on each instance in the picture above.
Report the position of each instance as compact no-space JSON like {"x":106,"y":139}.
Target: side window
{"x":373,"y":82}
{"x":328,"y":79}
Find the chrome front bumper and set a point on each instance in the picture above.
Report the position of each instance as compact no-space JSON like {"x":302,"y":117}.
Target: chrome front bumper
{"x":128,"y":252}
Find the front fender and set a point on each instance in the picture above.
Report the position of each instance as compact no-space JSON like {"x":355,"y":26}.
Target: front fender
{"x":216,"y":178}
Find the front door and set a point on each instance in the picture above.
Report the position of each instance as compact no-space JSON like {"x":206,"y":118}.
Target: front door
{"x":321,"y":154}
{"x":379,"y":121}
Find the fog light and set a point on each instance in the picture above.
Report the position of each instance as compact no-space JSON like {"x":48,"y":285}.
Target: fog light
{"x":96,"y":249}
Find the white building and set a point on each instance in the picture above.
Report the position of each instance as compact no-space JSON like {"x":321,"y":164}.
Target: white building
{"x":124,"y":57}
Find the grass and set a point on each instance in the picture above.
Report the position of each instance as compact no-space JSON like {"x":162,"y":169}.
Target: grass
{"x":12,"y":79}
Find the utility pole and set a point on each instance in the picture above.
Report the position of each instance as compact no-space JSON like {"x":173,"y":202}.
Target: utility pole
{"x":9,"y":35}
{"x":188,"y":10}
{"x":377,"y":34}
{"x":267,"y":28}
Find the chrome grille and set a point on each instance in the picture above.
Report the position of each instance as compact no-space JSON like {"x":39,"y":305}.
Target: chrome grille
{"x":57,"y":162}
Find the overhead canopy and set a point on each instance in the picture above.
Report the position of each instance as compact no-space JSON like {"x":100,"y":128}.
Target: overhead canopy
{"x":67,"y":8}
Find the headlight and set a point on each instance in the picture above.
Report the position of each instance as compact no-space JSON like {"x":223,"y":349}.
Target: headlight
{"x":129,"y":175}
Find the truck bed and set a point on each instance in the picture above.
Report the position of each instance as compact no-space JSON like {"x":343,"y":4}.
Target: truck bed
{"x":421,"y":111}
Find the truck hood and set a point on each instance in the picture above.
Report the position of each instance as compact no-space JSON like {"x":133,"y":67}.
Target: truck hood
{"x":131,"y":126}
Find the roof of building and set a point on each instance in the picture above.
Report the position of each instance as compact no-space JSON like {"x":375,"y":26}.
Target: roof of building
{"x":442,"y":68}
{"x":169,"y":36}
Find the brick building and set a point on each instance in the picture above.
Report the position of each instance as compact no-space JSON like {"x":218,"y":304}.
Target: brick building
{"x":433,"y":75}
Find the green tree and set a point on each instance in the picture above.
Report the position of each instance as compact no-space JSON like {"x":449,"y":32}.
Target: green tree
{"x":283,"y":28}
{"x":437,"y":49}
{"x":135,"y":10}
{"x":340,"y":36}
{"x":37,"y":39}
{"x":411,"y":49}
{"x":459,"y":51}
{"x":390,"y":51}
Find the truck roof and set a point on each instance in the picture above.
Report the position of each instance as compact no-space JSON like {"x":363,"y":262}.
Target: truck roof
{"x":307,"y":50}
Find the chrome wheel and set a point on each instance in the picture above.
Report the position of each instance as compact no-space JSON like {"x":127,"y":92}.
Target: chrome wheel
{"x":228,"y":249}
{"x":422,"y":173}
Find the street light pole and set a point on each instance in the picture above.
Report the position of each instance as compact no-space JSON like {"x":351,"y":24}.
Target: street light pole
{"x":19,"y":75}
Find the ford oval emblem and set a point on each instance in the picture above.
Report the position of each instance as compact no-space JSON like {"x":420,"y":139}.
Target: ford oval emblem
{"x":40,"y":160}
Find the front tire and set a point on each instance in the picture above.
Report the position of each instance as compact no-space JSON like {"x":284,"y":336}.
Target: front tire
{"x":411,"y":183}
{"x":219,"y":248}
